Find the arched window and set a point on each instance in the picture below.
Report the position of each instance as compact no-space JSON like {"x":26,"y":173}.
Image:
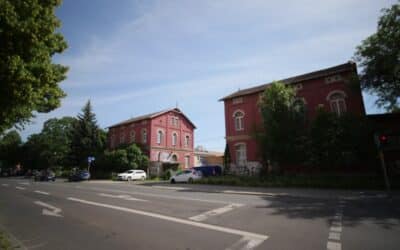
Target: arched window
{"x":337,"y":102}
{"x":241,"y":154}
{"x":160,"y":136}
{"x":187,"y":140}
{"x":187,"y":161}
{"x":174,"y":139}
{"x":299,"y":105}
{"x":133,"y":135}
{"x":174,"y":158}
{"x":144,"y":136}
{"x":238,"y":119}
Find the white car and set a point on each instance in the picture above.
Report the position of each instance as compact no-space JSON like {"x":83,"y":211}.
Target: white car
{"x":188,"y":175}
{"x":132,"y":174}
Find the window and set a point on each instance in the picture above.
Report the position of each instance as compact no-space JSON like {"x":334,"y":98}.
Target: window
{"x":160,"y":136}
{"x":187,"y":140}
{"x":174,"y":158}
{"x":144,"y":136}
{"x":121,"y":138}
{"x":112,"y":141}
{"x":241,"y":156}
{"x":174,"y":139}
{"x":337,"y":102}
{"x":174,"y":121}
{"x":133,"y":134}
{"x":187,"y":161}
{"x":334,"y":78}
{"x":298,"y":86}
{"x":238,"y":119}
{"x":299,"y":105}
{"x":237,"y":100}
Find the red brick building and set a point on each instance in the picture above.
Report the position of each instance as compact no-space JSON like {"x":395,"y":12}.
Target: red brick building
{"x":166,"y":136}
{"x":329,"y":88}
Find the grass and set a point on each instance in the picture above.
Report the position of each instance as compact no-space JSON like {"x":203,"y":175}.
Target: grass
{"x":5,"y":243}
{"x":303,"y":181}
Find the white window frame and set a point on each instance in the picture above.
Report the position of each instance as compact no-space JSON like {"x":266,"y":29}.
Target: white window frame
{"x":241,"y":153}
{"x":187,"y":161}
{"x":337,"y":105}
{"x":174,"y":138}
{"x":144,"y":135}
{"x":238,"y":120}
{"x":160,"y":135}
{"x":187,"y":140}
{"x":132,"y":136}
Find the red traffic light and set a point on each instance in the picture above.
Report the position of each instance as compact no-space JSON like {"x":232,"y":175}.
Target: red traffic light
{"x":383,"y":139}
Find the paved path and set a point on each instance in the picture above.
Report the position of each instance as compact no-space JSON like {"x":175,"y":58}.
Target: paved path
{"x":107,"y":215}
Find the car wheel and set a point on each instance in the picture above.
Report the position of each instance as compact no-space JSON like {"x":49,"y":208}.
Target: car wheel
{"x":173,"y":181}
{"x":190,"y":180}
{"x":129,"y":178}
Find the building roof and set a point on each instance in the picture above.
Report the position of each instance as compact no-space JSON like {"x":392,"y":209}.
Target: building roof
{"x":206,"y":152}
{"x":152,"y":115}
{"x":349,"y":66}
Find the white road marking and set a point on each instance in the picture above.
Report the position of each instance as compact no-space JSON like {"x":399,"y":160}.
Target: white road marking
{"x":214,"y":212}
{"x":54,"y":211}
{"x":20,"y":188}
{"x":253,"y":239}
{"x":333,"y":246}
{"x":24,"y":183}
{"x":122,"y":196}
{"x":252,"y":193}
{"x":157,"y":195}
{"x":41,"y":192}
{"x":5,"y":185}
{"x":245,"y":244}
{"x":334,"y":238}
{"x":171,"y":188}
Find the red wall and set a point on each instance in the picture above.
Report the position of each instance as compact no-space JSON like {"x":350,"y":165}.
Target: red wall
{"x":162,"y":122}
{"x":314,"y":92}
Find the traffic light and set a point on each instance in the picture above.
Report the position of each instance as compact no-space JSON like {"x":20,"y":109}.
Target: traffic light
{"x":383,"y":139}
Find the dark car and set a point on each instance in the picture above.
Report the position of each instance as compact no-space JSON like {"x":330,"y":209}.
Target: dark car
{"x":45,"y":175}
{"x":210,"y":170}
{"x":81,"y":175}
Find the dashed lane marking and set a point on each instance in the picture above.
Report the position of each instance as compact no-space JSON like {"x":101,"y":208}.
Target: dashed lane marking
{"x":215,"y":212}
{"x":251,"y":240}
{"x":20,"y":188}
{"x":41,"y":192}
{"x":5,"y":185}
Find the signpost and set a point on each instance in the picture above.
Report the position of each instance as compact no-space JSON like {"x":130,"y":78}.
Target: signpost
{"x":381,"y":141}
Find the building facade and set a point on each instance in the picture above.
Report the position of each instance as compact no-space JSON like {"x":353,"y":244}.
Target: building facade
{"x":332,"y":89}
{"x":166,"y":136}
{"x":205,"y":157}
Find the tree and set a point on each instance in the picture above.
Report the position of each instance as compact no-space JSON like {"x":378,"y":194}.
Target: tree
{"x":379,"y":58}
{"x":283,"y":124}
{"x":87,"y":138}
{"x":28,"y":42}
{"x":123,"y":158}
{"x":227,"y":159}
{"x":10,"y":145}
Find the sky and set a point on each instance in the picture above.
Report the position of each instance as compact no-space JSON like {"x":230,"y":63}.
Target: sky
{"x":133,"y":57}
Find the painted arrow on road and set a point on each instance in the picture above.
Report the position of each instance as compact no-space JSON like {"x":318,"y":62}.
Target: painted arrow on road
{"x":49,"y":209}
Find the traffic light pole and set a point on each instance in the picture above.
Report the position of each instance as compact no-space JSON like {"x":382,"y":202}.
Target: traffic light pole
{"x":385,"y":174}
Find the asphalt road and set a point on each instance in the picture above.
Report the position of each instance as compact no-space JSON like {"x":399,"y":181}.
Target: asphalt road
{"x":104,"y":215}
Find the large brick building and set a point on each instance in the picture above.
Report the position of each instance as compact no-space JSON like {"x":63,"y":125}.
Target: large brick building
{"x":329,"y":88}
{"x":166,"y":136}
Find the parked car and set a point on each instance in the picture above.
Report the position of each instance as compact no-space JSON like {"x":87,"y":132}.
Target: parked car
{"x":133,"y":174}
{"x":80,"y":175}
{"x":210,"y":170}
{"x":188,"y":175}
{"x":45,"y":175}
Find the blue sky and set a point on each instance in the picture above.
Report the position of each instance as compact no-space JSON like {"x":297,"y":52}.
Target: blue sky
{"x":136,"y":57}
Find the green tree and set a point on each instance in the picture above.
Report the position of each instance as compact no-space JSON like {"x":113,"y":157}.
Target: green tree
{"x":10,"y":145}
{"x":29,"y":39}
{"x":379,"y":58}
{"x":227,"y":159}
{"x":283,"y":124}
{"x":123,"y":158}
{"x":87,"y":139}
